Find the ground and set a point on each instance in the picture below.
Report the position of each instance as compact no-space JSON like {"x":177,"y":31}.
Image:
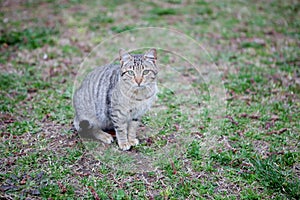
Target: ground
{"x":252,"y":154}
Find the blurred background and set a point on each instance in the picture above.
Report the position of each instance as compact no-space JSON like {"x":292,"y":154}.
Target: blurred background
{"x":255,"y":155}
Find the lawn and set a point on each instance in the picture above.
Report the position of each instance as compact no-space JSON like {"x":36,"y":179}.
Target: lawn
{"x":225,"y":124}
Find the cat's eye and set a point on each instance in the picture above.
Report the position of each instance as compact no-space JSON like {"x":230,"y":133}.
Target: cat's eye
{"x":145,"y":72}
{"x":130,"y":72}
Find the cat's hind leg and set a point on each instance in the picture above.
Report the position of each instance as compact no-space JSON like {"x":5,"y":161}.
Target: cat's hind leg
{"x":103,"y":136}
{"x":88,"y":130}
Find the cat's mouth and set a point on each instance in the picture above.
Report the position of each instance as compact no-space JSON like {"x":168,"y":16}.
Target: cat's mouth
{"x":140,"y":86}
{"x":139,"y":93}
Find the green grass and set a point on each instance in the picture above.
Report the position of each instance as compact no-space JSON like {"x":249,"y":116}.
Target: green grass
{"x":163,"y":11}
{"x":30,"y":38}
{"x":276,"y":175}
{"x":99,"y":21}
{"x":253,"y":155}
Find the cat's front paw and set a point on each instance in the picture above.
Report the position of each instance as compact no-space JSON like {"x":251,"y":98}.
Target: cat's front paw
{"x":124,"y":146}
{"x":133,"y":142}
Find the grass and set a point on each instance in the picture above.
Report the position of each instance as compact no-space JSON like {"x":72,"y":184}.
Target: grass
{"x":31,"y":38}
{"x":254,"y":154}
{"x":276,"y":177}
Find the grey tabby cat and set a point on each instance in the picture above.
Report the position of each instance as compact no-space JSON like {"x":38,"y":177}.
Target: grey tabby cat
{"x":115,"y":97}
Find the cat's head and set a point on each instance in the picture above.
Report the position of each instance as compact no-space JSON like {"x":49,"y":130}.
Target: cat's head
{"x":138,"y":70}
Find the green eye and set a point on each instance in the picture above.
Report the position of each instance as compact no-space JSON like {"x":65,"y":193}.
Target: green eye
{"x":130,"y":72}
{"x":145,"y":72}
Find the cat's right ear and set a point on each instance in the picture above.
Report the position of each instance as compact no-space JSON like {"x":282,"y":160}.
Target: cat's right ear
{"x":124,"y":57}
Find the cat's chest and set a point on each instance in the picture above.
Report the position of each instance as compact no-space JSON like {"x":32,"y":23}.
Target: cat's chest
{"x":138,"y":108}
{"x":133,"y":102}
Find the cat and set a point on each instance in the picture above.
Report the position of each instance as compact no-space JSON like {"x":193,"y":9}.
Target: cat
{"x":115,"y":97}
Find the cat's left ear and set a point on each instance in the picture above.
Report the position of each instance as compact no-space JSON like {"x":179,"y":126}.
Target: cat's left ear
{"x":124,"y":56}
{"x":151,"y":55}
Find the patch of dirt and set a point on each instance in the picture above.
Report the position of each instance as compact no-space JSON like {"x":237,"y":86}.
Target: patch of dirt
{"x":261,"y":147}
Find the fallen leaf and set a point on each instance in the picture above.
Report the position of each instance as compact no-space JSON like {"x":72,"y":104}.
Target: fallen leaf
{"x":275,"y":153}
{"x":240,"y":132}
{"x":268,"y":125}
{"x":274,"y":118}
{"x":149,"y":141}
{"x":198,"y":134}
{"x":94,"y":193}
{"x":23,"y":181}
{"x":176,"y":127}
{"x":173,"y":167}
{"x":232,"y":120}
{"x":32,"y":90}
{"x":244,"y":115}
{"x":6,"y":118}
{"x":63,"y":189}
{"x":282,"y":130}
{"x":254,"y":116}
{"x":277,"y":132}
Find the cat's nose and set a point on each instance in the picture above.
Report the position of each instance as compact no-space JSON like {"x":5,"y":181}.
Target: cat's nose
{"x":138,"y":81}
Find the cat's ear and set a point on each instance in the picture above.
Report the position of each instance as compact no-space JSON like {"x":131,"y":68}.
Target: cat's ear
{"x":124,"y":56}
{"x":151,"y":55}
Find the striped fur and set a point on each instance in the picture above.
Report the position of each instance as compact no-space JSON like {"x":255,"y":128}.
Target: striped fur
{"x":116,"y":97}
